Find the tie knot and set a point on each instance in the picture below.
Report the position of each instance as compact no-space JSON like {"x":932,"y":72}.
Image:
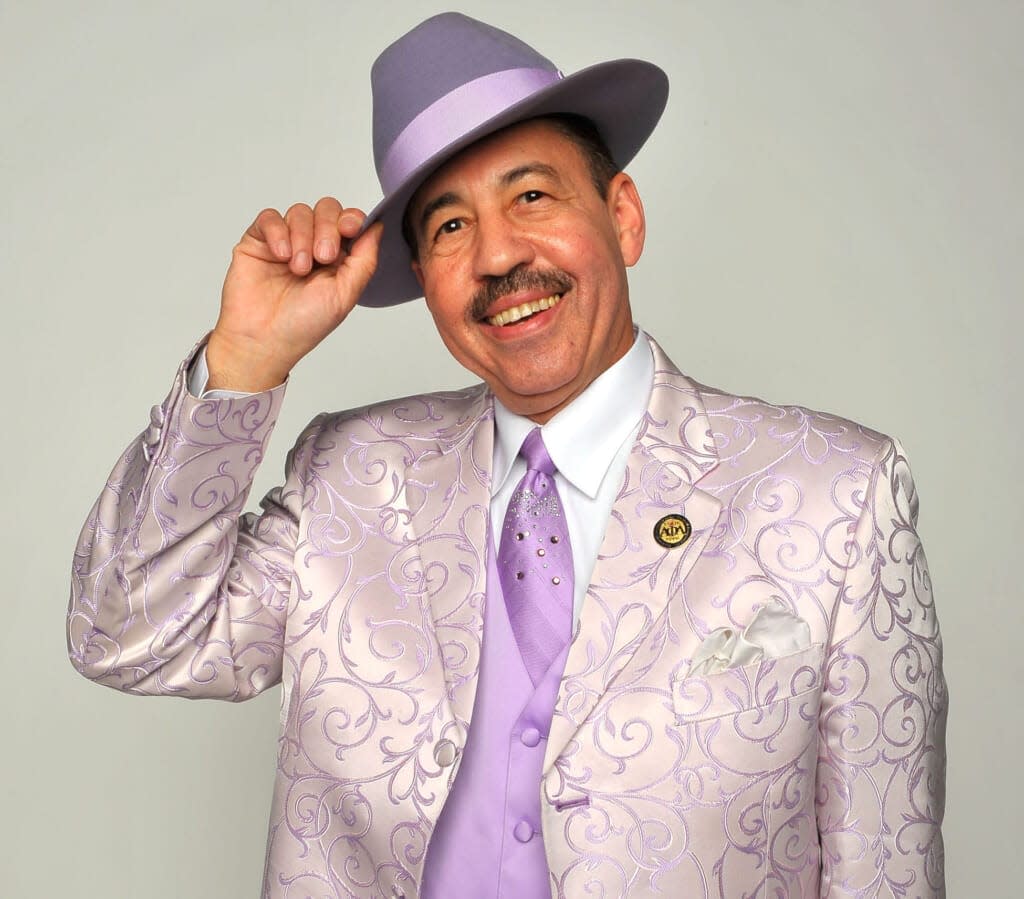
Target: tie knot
{"x":536,"y":454}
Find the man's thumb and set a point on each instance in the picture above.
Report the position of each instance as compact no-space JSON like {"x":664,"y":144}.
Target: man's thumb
{"x":361,"y":262}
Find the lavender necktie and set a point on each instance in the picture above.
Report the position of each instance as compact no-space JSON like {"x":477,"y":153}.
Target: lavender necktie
{"x":535,"y":562}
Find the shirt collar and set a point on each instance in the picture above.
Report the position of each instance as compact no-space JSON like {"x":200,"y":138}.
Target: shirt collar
{"x":584,"y":437}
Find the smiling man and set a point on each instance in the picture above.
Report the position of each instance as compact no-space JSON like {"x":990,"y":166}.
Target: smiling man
{"x":517,"y":224}
{"x":588,"y":627}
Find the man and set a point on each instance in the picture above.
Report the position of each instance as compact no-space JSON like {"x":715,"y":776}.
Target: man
{"x":671,"y":642}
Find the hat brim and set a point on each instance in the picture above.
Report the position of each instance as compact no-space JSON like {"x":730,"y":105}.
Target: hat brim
{"x":624,"y":98}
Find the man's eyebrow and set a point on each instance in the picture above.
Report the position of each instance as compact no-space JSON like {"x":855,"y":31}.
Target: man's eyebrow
{"x":531,"y":168}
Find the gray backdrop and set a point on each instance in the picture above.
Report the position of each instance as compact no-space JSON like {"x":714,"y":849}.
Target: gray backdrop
{"x":835,"y":214}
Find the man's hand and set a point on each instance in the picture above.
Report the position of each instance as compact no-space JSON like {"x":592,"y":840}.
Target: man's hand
{"x":289,"y":285}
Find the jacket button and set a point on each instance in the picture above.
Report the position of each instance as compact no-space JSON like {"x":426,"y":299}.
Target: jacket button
{"x":444,"y":753}
{"x":530,"y":736}
{"x":523,"y":831}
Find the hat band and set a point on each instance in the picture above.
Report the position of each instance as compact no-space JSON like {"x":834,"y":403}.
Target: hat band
{"x":454,"y":115}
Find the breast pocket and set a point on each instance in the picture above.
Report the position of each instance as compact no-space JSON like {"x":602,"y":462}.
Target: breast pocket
{"x":760,"y":684}
{"x":756,"y":714}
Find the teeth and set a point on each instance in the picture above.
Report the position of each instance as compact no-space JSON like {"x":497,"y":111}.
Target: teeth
{"x":525,"y":310}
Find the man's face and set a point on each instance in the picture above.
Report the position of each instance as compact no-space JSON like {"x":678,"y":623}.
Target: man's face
{"x":513,"y":224}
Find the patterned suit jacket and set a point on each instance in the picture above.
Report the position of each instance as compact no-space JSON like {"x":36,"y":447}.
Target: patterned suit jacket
{"x":360,"y":588}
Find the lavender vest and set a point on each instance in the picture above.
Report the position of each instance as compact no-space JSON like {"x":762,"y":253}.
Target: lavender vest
{"x":487,"y":842}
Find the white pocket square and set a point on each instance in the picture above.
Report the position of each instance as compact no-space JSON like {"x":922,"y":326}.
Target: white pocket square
{"x":774,"y":631}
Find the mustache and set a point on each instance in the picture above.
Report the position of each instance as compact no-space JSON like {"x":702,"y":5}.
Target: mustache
{"x":517,"y":280}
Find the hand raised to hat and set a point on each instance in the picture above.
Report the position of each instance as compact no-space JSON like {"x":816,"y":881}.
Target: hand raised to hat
{"x":290,"y":283}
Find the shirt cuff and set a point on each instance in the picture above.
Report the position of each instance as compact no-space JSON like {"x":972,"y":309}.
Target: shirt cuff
{"x":199,"y":374}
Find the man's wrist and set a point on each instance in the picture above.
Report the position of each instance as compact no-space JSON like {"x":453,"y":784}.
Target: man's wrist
{"x":240,"y":371}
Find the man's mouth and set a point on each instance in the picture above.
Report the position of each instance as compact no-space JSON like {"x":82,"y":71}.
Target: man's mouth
{"x":525,"y":310}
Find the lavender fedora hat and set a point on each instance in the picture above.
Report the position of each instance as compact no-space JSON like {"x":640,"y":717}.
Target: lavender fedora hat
{"x":453,"y":80}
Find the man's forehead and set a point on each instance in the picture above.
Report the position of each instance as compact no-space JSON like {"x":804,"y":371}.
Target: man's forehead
{"x":509,"y":153}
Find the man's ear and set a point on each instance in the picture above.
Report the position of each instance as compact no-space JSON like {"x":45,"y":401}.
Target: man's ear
{"x":417,"y":270}
{"x":627,"y":211}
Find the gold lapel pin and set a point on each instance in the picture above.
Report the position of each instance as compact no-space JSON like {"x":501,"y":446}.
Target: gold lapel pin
{"x":672,"y":531}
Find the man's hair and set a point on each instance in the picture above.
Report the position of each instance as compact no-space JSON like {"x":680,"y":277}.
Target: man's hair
{"x":583,"y":133}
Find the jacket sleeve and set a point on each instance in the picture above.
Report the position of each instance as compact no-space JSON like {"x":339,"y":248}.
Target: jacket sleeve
{"x":173,"y":590}
{"x":882,"y":759}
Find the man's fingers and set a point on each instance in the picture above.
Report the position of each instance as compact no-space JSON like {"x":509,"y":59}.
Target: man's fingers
{"x":351,"y":221}
{"x":346,"y":227}
{"x":333,"y":226}
{"x":271,"y":230}
{"x":303,"y":236}
{"x":300,"y":231}
{"x":326,"y":241}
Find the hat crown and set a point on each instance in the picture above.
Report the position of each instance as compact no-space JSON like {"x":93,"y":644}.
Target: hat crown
{"x":438,"y":56}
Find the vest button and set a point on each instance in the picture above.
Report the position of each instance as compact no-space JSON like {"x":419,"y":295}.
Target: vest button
{"x":530,"y":736}
{"x":523,"y":831}
{"x":444,"y":753}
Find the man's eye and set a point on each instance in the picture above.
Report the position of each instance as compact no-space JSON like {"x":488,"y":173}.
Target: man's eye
{"x":449,"y":227}
{"x":532,"y":196}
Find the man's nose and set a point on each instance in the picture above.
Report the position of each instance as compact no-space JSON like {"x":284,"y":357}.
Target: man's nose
{"x":500,"y":246}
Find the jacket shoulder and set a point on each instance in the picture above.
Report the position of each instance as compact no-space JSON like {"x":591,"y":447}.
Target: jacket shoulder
{"x":441,"y":421}
{"x":733,"y":416}
{"x":436,"y":414}
{"x":746,"y":431}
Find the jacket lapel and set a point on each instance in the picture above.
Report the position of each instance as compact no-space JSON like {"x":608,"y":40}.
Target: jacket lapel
{"x":451,"y":543}
{"x":635,"y":576}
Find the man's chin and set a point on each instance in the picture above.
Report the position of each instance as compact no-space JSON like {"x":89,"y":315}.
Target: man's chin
{"x":538,"y":400}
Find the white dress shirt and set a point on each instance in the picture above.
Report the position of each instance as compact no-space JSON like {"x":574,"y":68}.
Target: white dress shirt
{"x":589,"y":441}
